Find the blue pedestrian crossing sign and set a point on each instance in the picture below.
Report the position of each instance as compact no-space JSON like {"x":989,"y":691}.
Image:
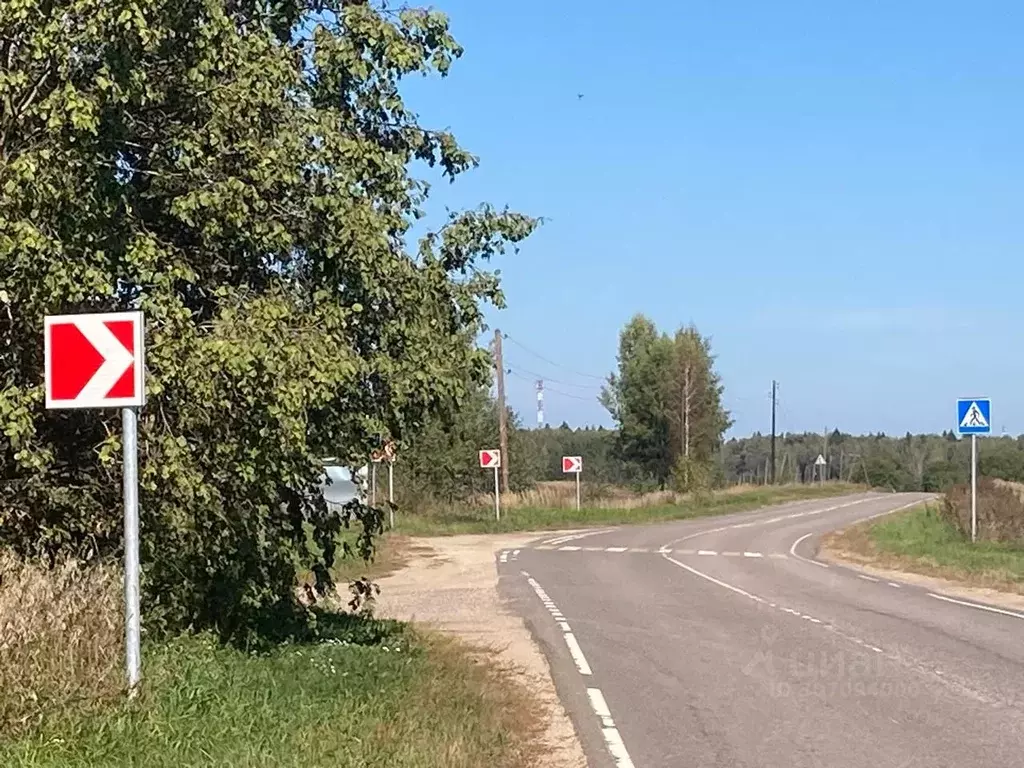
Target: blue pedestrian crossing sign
{"x":974,"y":416}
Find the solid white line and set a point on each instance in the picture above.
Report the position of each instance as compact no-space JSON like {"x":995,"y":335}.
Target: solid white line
{"x":706,"y":552}
{"x":713,"y":580}
{"x":866,"y":578}
{"x":988,"y":608}
{"x":577,"y":654}
{"x":563,"y":626}
{"x":617,"y":748}
{"x":752,"y":554}
{"x":792,"y":551}
{"x":600,"y":706}
{"x":579,"y":535}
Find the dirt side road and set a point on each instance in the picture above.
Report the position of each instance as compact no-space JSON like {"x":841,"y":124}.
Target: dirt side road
{"x":451,"y":584}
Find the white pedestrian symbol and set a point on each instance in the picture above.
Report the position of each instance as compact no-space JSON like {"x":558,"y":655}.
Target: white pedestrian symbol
{"x":974,"y":417}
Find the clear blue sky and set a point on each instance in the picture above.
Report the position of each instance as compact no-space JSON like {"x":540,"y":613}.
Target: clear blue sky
{"x":833,"y":191}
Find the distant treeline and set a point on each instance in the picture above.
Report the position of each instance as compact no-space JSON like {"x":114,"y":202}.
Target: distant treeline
{"x":909,"y":463}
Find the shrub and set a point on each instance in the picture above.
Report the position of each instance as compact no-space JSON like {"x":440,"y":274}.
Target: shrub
{"x":1000,"y":510}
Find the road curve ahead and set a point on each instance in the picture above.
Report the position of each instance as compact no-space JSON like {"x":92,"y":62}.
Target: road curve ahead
{"x":722,"y":642}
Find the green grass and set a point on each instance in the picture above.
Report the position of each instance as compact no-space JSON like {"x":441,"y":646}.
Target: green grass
{"x":921,"y":541}
{"x":399,"y":701}
{"x":526,"y":519}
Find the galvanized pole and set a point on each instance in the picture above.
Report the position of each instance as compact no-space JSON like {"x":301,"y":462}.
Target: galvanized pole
{"x":578,"y":491}
{"x":391,"y":491}
{"x":132,"y":619}
{"x":974,"y":488}
{"x":497,"y":497}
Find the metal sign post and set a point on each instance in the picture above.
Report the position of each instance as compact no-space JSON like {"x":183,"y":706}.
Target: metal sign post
{"x":974,"y":488}
{"x":497,"y":495}
{"x":974,"y":417}
{"x":391,"y":491}
{"x":98,"y":361}
{"x":133,"y":619}
{"x":491,"y":457}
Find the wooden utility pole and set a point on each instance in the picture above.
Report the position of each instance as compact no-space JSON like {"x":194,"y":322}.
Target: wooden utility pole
{"x":499,"y":368}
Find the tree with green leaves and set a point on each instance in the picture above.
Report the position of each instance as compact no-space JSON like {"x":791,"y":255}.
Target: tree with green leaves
{"x":240,"y":171}
{"x":666,"y":400}
{"x":697,"y":420}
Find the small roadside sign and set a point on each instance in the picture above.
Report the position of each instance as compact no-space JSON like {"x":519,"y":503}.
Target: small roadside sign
{"x":490,"y":457}
{"x":572,"y":464}
{"x":820,"y":461}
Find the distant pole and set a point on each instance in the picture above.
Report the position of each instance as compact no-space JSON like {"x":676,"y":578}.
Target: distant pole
{"x":974,"y":488}
{"x":502,"y":413}
{"x":775,"y":385}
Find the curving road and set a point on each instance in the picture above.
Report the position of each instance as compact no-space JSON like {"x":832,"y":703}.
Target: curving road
{"x":722,"y":642}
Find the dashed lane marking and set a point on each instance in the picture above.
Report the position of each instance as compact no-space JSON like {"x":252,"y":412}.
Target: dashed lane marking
{"x":959,"y":686}
{"x":612,"y":738}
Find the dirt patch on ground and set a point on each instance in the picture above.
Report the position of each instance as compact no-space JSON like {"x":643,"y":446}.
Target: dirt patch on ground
{"x":888,"y":569}
{"x":451,"y":584}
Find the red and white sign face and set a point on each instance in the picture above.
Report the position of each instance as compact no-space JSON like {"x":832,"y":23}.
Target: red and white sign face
{"x":572,"y":464}
{"x":94,"y":361}
{"x":490,"y":458}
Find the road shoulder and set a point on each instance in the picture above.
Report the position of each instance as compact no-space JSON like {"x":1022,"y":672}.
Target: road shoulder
{"x":450,"y":585}
{"x":865,"y":564}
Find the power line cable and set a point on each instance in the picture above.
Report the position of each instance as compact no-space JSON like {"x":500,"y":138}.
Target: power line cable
{"x":518,"y":375}
{"x":556,"y":381}
{"x":549,"y":361}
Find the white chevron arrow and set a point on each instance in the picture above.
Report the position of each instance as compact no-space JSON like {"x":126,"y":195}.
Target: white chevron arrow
{"x":116,"y":359}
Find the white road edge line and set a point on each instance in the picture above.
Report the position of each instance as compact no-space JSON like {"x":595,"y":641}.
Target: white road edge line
{"x":988,"y":608}
{"x":577,"y":654}
{"x":797,"y":543}
{"x":612,"y":737}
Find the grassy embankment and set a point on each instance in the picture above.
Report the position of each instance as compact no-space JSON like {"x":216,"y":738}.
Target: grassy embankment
{"x":550,"y":507}
{"x":924,"y":540}
{"x":367,"y":693}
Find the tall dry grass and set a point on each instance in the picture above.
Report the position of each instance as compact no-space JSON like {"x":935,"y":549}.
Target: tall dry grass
{"x":561,"y":494}
{"x":1000,"y":510}
{"x":61,"y":640}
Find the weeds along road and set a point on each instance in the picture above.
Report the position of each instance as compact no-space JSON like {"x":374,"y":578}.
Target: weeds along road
{"x":723,"y":642}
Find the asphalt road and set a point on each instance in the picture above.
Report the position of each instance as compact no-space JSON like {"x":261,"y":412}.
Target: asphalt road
{"x":720,"y":642}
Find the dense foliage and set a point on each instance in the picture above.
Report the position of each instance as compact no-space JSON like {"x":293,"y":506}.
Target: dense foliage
{"x":667,"y":401}
{"x":241,"y":172}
